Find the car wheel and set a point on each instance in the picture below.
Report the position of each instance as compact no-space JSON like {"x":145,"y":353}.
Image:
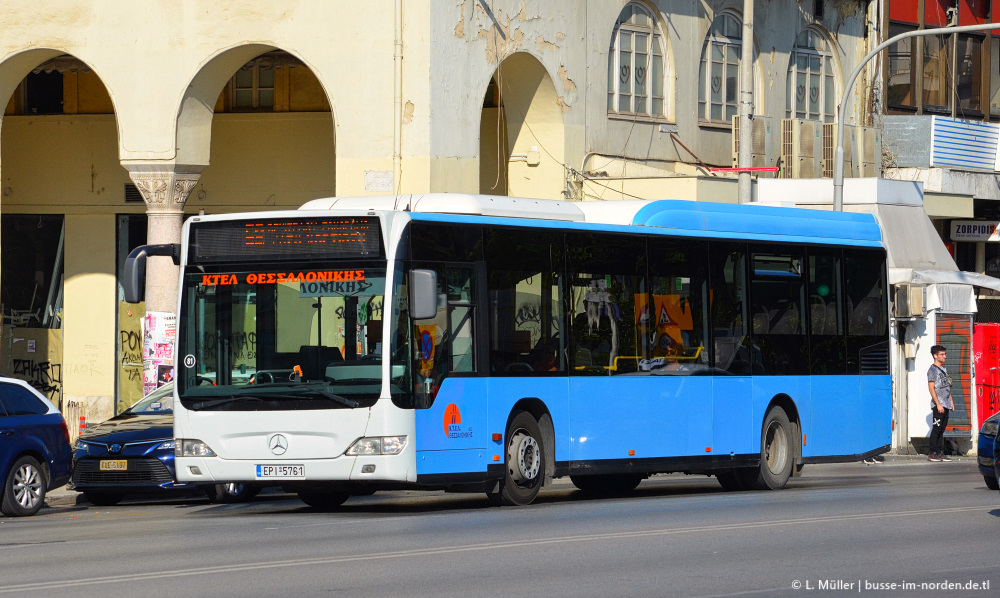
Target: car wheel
{"x":991,"y":482}
{"x":232,"y":492}
{"x":103,"y":499}
{"x":525,"y":463}
{"x":24,"y":488}
{"x":324,"y":501}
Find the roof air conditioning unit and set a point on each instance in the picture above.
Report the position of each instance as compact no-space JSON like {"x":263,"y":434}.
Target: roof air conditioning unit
{"x":860,"y":148}
{"x":801,"y":148}
{"x":762,"y":152}
{"x":908,"y":301}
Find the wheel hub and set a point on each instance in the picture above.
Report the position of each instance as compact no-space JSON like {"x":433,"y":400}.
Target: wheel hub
{"x":526,"y":457}
{"x":27,"y":486}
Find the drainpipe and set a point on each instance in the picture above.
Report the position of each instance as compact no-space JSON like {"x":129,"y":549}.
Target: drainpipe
{"x":397,"y":92}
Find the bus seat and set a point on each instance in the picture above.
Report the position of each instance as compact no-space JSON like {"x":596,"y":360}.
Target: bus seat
{"x":314,"y":360}
{"x":788,"y":322}
{"x":817,"y":312}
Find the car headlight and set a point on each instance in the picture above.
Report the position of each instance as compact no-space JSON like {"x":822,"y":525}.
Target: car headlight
{"x":81,"y":445}
{"x":169,"y":445}
{"x":990,"y":427}
{"x":377,"y":445}
{"x":190,"y":447}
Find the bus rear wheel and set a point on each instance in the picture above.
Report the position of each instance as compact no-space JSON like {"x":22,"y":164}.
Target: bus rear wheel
{"x":525,"y":463}
{"x":608,"y":485}
{"x":776,"y":454}
{"x":323,"y":501}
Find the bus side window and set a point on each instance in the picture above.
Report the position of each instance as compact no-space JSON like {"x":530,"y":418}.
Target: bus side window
{"x":728,"y":304}
{"x":525,"y":313}
{"x":676,"y":319}
{"x":606,"y":277}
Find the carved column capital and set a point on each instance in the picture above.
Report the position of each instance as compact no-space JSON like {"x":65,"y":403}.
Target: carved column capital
{"x":165,"y":191}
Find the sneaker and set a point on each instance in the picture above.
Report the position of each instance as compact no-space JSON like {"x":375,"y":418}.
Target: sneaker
{"x":933,"y":457}
{"x":943,"y":458}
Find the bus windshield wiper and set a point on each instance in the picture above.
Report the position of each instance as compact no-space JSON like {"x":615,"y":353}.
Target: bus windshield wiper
{"x":212,"y":403}
{"x":299,"y":391}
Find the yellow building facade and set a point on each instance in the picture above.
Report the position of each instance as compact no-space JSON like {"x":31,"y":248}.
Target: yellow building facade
{"x":122,"y":118}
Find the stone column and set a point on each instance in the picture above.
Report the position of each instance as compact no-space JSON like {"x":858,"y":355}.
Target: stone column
{"x":165,"y":192}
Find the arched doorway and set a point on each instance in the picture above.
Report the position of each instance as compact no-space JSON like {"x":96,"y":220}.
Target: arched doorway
{"x":522,"y":137}
{"x":62,"y":187}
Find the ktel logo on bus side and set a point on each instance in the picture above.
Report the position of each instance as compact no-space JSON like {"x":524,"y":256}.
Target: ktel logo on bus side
{"x":453,"y":423}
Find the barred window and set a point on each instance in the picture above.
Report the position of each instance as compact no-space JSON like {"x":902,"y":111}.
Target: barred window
{"x":719,"y":75}
{"x":810,"y":91}
{"x":636,"y":65}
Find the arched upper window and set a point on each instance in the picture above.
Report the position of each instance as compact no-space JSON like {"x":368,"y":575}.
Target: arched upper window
{"x":810,"y":91}
{"x":719,"y":75}
{"x":635,"y":65}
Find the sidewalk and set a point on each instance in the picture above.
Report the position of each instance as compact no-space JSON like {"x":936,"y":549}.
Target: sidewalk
{"x":63,"y":497}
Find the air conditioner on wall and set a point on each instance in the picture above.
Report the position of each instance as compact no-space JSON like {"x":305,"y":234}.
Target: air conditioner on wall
{"x":762,"y":152}
{"x":908,"y":301}
{"x":860,"y":150}
{"x":801,"y":148}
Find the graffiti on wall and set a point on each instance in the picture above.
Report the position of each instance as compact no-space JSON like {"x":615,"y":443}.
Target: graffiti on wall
{"x":45,"y":376}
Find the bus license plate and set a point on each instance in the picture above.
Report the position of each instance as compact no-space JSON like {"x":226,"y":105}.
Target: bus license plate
{"x":114,"y":465}
{"x":281,"y":471}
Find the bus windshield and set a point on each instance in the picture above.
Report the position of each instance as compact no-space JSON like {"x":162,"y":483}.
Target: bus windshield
{"x":281,"y":337}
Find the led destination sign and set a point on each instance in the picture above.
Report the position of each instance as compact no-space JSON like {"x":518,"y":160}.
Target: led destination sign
{"x":211,"y":280}
{"x":300,"y":238}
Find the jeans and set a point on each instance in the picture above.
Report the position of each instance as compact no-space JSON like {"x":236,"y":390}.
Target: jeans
{"x":939,"y":422}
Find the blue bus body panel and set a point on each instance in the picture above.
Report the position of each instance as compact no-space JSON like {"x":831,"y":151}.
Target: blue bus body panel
{"x":603,"y":418}
{"x":655,"y":416}
{"x":734,"y":433}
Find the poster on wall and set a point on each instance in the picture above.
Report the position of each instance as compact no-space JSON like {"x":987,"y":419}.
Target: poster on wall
{"x":130,"y":383}
{"x":160,"y":330}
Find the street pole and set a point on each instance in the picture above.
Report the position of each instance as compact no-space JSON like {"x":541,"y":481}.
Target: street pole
{"x":838,"y":156}
{"x":746,"y":104}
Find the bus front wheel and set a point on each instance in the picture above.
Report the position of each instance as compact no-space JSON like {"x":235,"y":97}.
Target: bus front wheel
{"x":525,"y":462}
{"x":324,"y":501}
{"x":776,"y":453}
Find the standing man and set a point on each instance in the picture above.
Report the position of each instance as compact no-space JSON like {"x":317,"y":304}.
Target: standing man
{"x":939,"y":383}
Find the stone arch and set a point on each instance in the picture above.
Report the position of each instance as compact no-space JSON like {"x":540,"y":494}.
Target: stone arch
{"x":197,"y":105}
{"x":529,"y":131}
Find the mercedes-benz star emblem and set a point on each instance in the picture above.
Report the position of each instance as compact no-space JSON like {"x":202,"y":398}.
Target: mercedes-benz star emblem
{"x":278,"y":444}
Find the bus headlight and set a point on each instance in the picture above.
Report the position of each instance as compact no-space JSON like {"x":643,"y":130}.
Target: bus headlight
{"x":377,"y":445}
{"x":187,"y":447}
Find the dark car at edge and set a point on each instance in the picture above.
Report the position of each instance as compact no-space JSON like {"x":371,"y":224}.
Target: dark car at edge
{"x":133,"y":453}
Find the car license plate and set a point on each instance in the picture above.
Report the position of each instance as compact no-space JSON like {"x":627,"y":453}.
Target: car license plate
{"x":114,"y":465}
{"x":281,"y":471}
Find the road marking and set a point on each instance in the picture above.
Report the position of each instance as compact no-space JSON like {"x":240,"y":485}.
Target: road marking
{"x":235,"y":568}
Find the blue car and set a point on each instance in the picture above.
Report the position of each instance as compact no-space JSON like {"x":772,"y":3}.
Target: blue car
{"x":985,"y":451}
{"x":34,"y":448}
{"x":133,"y":453}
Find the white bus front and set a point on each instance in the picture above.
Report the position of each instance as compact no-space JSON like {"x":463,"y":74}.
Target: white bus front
{"x":280,"y":355}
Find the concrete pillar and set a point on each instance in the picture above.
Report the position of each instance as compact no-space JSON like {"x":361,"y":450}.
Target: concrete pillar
{"x":165,"y":192}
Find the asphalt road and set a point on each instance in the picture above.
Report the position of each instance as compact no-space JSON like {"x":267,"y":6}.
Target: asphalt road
{"x":836,"y":530}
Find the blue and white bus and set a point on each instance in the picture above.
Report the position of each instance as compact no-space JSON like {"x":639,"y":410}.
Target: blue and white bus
{"x":491,"y":344}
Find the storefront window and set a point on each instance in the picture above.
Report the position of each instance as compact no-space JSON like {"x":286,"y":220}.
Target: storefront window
{"x":32,"y":270}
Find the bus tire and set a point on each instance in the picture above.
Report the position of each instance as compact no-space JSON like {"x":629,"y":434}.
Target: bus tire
{"x":730,"y":480}
{"x":607,"y":485}
{"x":323,"y":501}
{"x":525,"y":463}
{"x":776,"y":453}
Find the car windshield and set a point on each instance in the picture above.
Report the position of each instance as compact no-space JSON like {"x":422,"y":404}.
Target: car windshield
{"x":158,"y":402}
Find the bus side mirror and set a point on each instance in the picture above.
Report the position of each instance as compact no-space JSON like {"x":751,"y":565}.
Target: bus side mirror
{"x":134,"y":274}
{"x":423,"y":294}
